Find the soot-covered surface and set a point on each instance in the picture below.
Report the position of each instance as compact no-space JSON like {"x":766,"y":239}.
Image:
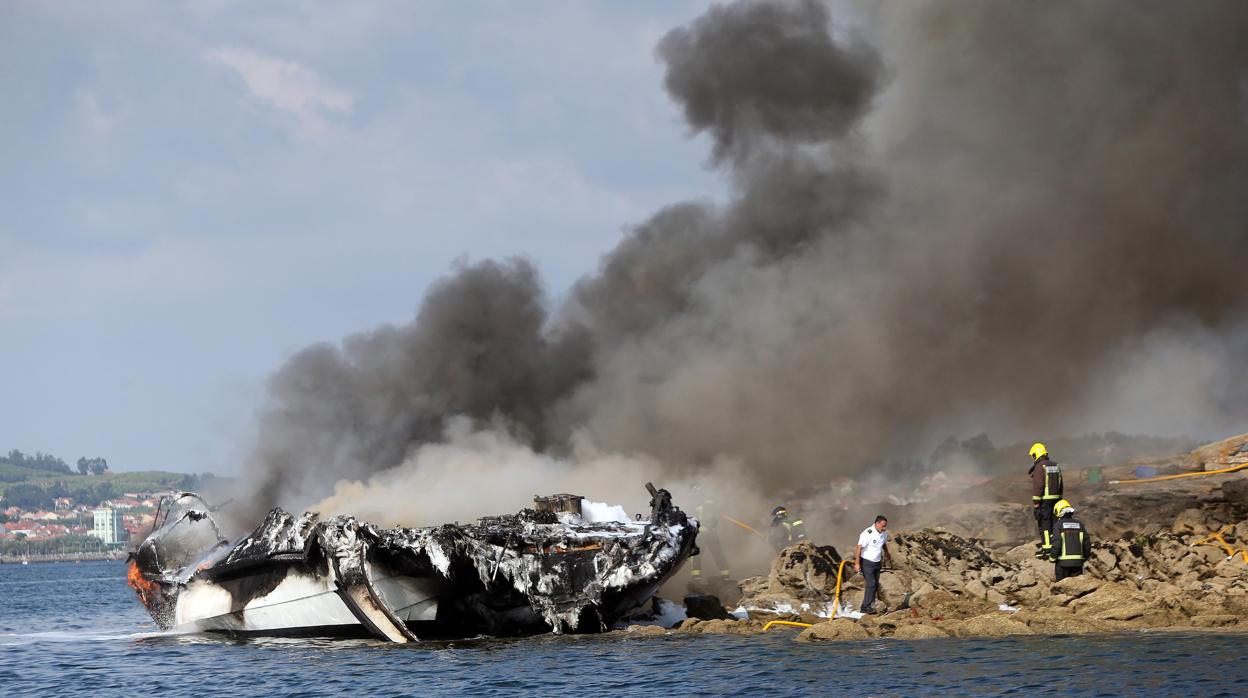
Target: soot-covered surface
{"x":513,"y":574}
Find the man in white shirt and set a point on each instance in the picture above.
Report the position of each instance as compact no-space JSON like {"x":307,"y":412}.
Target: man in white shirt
{"x":871,"y":552}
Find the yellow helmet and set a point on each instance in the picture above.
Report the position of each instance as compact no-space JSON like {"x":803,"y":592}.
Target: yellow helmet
{"x":1060,"y":509}
{"x":1038,"y":451}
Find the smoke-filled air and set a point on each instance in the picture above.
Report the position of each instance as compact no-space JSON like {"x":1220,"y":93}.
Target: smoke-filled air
{"x":943,"y":218}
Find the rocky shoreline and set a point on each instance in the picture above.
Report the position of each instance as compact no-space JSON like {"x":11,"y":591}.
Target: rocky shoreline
{"x":1187,"y":575}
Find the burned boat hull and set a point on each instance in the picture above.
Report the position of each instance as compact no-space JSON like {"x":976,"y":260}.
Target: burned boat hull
{"x":515,"y":574}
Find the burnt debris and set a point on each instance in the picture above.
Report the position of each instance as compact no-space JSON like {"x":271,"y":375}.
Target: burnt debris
{"x":547,"y":569}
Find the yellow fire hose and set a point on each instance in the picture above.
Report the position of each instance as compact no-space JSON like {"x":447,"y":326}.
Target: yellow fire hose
{"x":1231,"y":469}
{"x":1226,"y":547}
{"x":785,"y":622}
{"x":744,"y":525}
{"x":839,"y":571}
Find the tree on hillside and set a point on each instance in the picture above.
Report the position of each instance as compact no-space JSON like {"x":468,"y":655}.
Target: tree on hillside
{"x":96,"y":466}
{"x":39,"y":461}
{"x":104,"y":491}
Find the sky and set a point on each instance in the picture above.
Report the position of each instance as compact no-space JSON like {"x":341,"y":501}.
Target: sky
{"x":194,"y":191}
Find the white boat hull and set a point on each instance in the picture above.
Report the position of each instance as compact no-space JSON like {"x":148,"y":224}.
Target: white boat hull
{"x":301,"y":601}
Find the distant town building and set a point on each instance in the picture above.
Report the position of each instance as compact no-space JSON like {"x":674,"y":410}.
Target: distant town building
{"x":108,"y":527}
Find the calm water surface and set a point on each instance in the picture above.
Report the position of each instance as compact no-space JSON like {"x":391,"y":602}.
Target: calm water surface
{"x":77,"y":627}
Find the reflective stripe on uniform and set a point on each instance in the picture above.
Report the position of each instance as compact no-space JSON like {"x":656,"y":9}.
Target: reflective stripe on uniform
{"x":1052,"y":481}
{"x":1077,"y":555}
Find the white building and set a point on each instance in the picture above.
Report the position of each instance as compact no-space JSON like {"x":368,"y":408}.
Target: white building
{"x":108,"y":527}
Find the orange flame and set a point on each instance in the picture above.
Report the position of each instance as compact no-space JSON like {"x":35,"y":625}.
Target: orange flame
{"x":144,"y":588}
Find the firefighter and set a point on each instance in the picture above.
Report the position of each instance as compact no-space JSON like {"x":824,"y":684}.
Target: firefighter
{"x":1072,"y":546}
{"x":707,"y":513}
{"x":783,"y":531}
{"x":1046,"y":490}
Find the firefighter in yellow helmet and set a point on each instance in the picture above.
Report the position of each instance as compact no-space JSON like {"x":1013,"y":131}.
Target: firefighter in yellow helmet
{"x":785,"y":530}
{"x":1046,"y":489}
{"x":1072,"y":546}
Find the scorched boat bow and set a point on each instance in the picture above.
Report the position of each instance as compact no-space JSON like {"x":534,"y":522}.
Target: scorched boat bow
{"x":551,"y":568}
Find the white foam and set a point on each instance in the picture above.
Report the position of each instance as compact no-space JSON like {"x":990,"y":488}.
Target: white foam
{"x":599,"y":512}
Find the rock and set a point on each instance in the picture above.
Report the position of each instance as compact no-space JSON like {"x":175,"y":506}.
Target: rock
{"x":839,"y":629}
{"x":1032,"y":596}
{"x":1220,"y":454}
{"x":1191,"y":521}
{"x":1236,"y":491}
{"x":1059,"y":622}
{"x":1055,"y":601}
{"x":918,"y":631}
{"x":705,"y":607}
{"x":1209,"y":554}
{"x":805,"y":570}
{"x":975,"y":588}
{"x":1081,"y":585}
{"x":1232,"y":568}
{"x":1043,"y":569}
{"x":1022,"y":553}
{"x":646,"y":630}
{"x":1129,"y":611}
{"x":723,"y":627}
{"x":942,"y":605}
{"x":1117,"y":601}
{"x":753,"y":586}
{"x":1106,"y":559}
{"x":1214,"y":620}
{"x":1026,"y":578}
{"x":892,"y":590}
{"x":991,"y":625}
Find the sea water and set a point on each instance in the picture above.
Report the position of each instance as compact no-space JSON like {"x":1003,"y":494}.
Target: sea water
{"x":69,"y":629}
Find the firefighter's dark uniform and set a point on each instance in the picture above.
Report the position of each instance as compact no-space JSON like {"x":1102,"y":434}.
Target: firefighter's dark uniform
{"x":707,"y":514}
{"x":785,"y":532}
{"x":1046,"y":490}
{"x":1072,"y":546}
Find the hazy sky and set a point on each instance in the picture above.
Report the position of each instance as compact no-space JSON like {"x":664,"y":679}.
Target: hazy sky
{"x":193,"y":191}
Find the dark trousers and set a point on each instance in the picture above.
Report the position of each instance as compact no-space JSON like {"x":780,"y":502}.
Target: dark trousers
{"x":708,"y":542}
{"x":871,"y":582}
{"x":1060,"y":573}
{"x":1044,"y":522}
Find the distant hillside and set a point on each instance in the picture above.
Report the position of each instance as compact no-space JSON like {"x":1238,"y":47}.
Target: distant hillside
{"x":36,"y":489}
{"x":18,"y":473}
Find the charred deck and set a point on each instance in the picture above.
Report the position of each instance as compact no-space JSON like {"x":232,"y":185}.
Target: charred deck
{"x":514,"y":574}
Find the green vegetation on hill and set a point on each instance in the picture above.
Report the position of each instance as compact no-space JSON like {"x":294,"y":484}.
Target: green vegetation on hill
{"x":38,"y":479}
{"x":18,"y":473}
{"x":32,"y":489}
{"x":39,"y":461}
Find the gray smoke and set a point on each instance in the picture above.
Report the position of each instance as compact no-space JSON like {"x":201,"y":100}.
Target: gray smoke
{"x":944,"y":219}
{"x":751,"y":71}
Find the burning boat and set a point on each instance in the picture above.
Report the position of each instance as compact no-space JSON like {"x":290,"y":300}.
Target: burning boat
{"x":554,"y":568}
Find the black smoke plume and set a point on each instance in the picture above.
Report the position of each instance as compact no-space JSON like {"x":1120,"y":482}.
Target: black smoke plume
{"x":944,"y":218}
